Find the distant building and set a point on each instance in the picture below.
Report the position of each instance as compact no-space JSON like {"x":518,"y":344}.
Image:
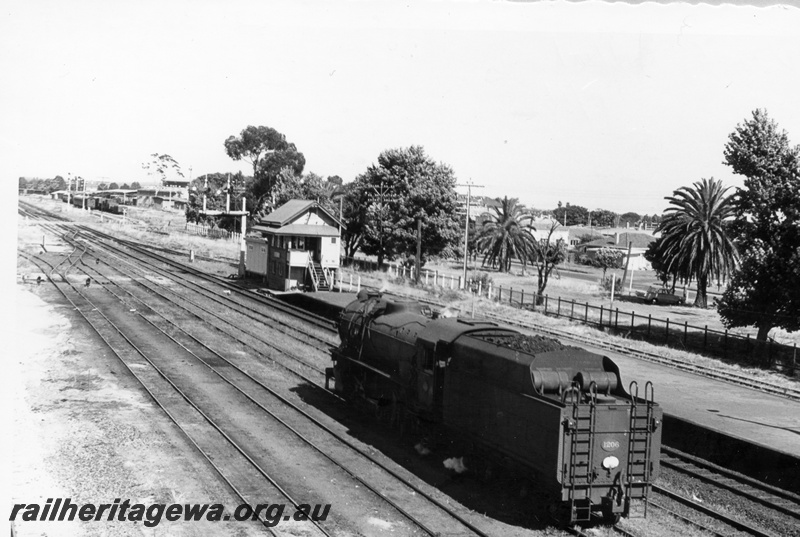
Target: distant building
{"x":298,"y":247}
{"x":619,"y":241}
{"x":542,"y":230}
{"x":163,"y":197}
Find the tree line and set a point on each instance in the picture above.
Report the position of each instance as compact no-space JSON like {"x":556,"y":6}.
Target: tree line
{"x":746,"y":237}
{"x":59,"y":183}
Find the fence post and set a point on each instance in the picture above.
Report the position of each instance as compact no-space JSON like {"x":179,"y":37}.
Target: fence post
{"x":616,"y":318}
{"x":480,"y":287}
{"x":427,"y":273}
{"x":666,"y":333}
{"x":769,"y":352}
{"x":522,"y":298}
{"x":545,"y":304}
{"x":586,"y":315}
{"x":794,"y":360}
{"x":705,"y":338}
{"x":601,"y":315}
{"x":632,"y":319}
{"x":358,"y":289}
{"x":685,"y":331}
{"x":558,"y":312}
{"x":510,"y":295}
{"x":649,"y":323}
{"x":725,"y":344}
{"x":500,"y":294}
{"x":572,"y":310}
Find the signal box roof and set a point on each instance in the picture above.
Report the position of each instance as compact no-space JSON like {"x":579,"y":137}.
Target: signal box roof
{"x":292,"y":209}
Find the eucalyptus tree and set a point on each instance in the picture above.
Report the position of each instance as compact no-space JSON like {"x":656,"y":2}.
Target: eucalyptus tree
{"x":270,"y":154}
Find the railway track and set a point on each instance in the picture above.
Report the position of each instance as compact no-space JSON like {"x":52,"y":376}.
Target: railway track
{"x":768,"y":496}
{"x":164,"y":321}
{"x":233,"y":465}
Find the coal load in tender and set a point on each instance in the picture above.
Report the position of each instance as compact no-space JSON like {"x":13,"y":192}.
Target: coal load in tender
{"x":529,"y":344}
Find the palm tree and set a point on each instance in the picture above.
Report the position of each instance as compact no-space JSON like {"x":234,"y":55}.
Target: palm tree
{"x":695,"y":238}
{"x":504,"y":235}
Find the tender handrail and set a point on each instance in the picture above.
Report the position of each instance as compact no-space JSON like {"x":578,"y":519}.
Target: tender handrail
{"x":633,"y":390}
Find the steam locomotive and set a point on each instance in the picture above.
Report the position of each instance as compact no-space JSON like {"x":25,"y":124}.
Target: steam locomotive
{"x":558,"y":413}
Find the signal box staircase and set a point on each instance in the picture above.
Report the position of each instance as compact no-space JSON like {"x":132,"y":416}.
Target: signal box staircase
{"x":319,"y":278}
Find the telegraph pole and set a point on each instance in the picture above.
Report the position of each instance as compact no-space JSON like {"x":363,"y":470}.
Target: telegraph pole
{"x":469,"y":186}
{"x":419,"y":250}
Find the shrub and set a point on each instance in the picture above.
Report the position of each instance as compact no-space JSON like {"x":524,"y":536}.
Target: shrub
{"x":605,"y":284}
{"x":477,"y":278}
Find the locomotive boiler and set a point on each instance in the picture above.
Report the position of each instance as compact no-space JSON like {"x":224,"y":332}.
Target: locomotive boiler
{"x":558,"y":413}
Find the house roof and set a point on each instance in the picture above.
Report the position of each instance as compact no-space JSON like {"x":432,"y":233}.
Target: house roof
{"x":299,"y":230}
{"x":637,"y":240}
{"x":291,"y":210}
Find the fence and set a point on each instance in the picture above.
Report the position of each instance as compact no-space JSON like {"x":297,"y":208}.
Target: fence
{"x":684,"y":336}
{"x":206,"y":231}
{"x":720,"y":344}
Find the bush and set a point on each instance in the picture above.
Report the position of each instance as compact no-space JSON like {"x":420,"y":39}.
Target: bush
{"x":450,"y":295}
{"x":479,"y":279}
{"x":605,"y":284}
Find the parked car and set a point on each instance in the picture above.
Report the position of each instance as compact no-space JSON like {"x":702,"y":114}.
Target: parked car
{"x":660,"y":295}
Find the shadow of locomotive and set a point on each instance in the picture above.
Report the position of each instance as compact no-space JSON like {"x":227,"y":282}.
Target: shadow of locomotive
{"x":495,"y":492}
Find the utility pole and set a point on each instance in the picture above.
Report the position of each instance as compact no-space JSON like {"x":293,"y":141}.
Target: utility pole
{"x":242,"y":246}
{"x":228,"y":195}
{"x":381,"y":231}
{"x":205,"y":192}
{"x":469,"y":186}
{"x":627,"y":263}
{"x":419,"y":250}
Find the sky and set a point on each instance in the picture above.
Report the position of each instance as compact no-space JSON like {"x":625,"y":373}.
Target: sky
{"x":604,"y":105}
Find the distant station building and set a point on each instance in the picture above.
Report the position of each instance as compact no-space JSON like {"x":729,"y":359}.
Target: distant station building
{"x":298,"y":247}
{"x":124,"y":196}
{"x":173,"y":194}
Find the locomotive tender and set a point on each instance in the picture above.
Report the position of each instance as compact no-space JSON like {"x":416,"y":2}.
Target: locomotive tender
{"x":559,"y":413}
